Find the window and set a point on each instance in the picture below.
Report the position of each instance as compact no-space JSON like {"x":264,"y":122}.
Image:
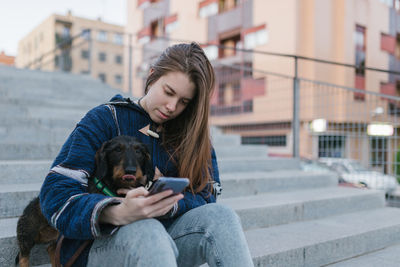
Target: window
{"x":65,"y":32}
{"x":170,"y":27}
{"x":118,"y":59}
{"x":102,"y":57}
{"x":85,"y":54}
{"x":397,"y":5}
{"x":232,"y":43}
{"x":226,"y":5}
{"x":378,"y":158}
{"x":360,"y":49}
{"x":118,"y":39}
{"x":208,"y":9}
{"x":102,"y":77}
{"x":398,"y":88}
{"x":389,"y":3}
{"x":230,"y":93}
{"x":393,"y":109}
{"x":331,"y":146}
{"x":102,"y":36}
{"x":211,"y":52}
{"x":255,"y":37}
{"x":118,"y":79}
{"x":85,"y":33}
{"x":397,"y":49}
{"x":156,"y":28}
{"x":272,"y":140}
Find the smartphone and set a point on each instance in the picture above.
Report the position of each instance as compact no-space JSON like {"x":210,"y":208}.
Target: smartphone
{"x":164,"y":183}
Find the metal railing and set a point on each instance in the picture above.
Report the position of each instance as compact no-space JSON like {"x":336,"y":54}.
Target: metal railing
{"x":294,"y":115}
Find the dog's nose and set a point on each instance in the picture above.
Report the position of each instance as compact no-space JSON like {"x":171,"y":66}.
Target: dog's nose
{"x":130,"y":170}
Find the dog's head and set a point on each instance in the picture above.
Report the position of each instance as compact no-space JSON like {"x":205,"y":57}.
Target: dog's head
{"x":123,"y":162}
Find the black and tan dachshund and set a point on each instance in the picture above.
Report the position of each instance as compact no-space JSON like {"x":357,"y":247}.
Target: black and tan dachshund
{"x":122,"y":162}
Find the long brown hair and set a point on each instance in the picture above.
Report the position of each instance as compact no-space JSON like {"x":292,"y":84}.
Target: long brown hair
{"x":187,"y":137}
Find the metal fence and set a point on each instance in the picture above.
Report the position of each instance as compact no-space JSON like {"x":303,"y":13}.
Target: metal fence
{"x":352,"y":131}
{"x":281,"y":107}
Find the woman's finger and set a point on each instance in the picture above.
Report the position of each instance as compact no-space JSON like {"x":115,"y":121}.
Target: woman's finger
{"x":163,"y":205}
{"x":133,"y":193}
{"x":159,"y":196}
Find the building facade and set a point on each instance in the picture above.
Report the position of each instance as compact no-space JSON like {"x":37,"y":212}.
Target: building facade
{"x":7,"y":60}
{"x":254,"y":94}
{"x":77,"y":45}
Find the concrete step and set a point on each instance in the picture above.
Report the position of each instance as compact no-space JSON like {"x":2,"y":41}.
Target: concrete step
{"x":307,"y":243}
{"x":240,"y":151}
{"x":9,"y":247}
{"x":18,"y":120}
{"x":243,"y":164}
{"x":9,"y":110}
{"x":54,"y":102}
{"x":325,"y":241}
{"x":23,"y":171}
{"x":17,"y":151}
{"x":219,"y":139}
{"x":388,"y":257}
{"x":271,"y":209}
{"x":256,"y":182}
{"x":20,"y":134}
{"x":55,"y":113}
{"x":28,"y":177}
{"x":42,"y":112}
{"x":14,"y":198}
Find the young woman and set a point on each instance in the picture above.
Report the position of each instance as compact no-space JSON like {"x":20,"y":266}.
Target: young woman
{"x":142,"y":230}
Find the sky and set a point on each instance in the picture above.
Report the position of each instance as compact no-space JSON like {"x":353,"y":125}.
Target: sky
{"x":19,"y":17}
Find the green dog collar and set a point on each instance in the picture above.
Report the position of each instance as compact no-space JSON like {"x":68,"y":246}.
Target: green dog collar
{"x":103,"y":188}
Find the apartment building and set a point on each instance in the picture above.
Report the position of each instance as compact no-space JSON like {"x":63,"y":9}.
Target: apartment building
{"x":77,"y":45}
{"x":254,"y":91}
{"x":6,"y":59}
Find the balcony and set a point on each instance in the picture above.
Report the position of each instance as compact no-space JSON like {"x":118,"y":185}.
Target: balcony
{"x":239,"y":17}
{"x":155,"y":11}
{"x":244,"y":107}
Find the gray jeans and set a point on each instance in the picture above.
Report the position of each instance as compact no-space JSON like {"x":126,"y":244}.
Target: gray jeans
{"x":209,"y":234}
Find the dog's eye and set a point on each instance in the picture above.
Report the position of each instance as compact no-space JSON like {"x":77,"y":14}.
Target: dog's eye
{"x":118,"y":149}
{"x":138,"y":153}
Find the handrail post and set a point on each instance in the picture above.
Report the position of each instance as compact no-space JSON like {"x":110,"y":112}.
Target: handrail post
{"x":130,"y":65}
{"x":296,"y":120}
{"x":90,"y":52}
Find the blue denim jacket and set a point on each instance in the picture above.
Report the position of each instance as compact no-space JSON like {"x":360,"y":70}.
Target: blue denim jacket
{"x":64,"y":199}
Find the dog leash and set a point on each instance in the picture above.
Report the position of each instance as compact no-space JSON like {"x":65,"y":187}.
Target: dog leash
{"x":74,"y":257}
{"x":103,"y":188}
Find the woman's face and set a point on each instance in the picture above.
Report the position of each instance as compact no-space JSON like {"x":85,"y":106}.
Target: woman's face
{"x":168,"y":96}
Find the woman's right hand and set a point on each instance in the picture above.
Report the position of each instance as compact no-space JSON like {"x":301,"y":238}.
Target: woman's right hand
{"x":138,"y":205}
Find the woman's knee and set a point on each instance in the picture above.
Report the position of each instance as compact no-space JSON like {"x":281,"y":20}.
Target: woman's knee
{"x":146,"y":236}
{"x":148,"y":230}
{"x":220,"y":212}
{"x":134,"y":244}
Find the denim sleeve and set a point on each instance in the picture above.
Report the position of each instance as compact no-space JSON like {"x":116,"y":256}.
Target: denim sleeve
{"x":191,"y":201}
{"x":64,"y":199}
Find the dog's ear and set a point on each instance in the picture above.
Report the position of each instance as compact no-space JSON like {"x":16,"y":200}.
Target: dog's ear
{"x":101,"y":161}
{"x":148,"y":164}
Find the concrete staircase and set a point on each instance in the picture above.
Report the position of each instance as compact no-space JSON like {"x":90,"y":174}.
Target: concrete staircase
{"x":290,"y":217}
